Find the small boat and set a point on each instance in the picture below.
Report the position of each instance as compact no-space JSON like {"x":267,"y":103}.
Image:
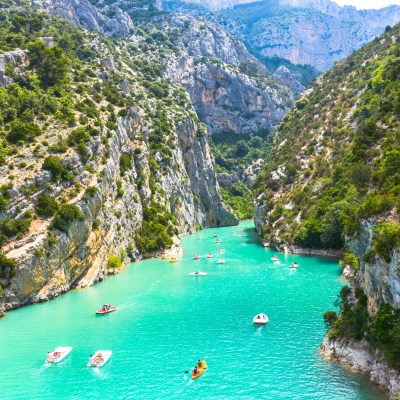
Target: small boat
{"x":215,"y":235}
{"x":221,"y":250}
{"x":58,"y":354}
{"x":260,"y":319}
{"x":172,"y":260}
{"x":106,"y":309}
{"x":209,"y":255}
{"x":221,"y":261}
{"x":99,"y":358}
{"x":294,"y":265}
{"x":198,"y":273}
{"x":196,"y":257}
{"x":199,"y":370}
{"x":274,"y":258}
{"x":217,"y":241}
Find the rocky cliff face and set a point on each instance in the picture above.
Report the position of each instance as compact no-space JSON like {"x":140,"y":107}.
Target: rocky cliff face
{"x":314,"y":32}
{"x":79,"y":258}
{"x":145,"y":167}
{"x":108,"y":20}
{"x":379,"y":279}
{"x":225,"y":95}
{"x":359,"y":357}
{"x":324,"y":34}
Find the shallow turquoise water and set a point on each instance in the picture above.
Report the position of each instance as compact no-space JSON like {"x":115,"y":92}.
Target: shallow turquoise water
{"x":167,"y":320}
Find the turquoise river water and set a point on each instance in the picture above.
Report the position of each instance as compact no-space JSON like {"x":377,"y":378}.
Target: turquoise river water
{"x":167,"y":320}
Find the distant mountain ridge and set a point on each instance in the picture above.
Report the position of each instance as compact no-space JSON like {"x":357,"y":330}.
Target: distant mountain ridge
{"x":314,"y":32}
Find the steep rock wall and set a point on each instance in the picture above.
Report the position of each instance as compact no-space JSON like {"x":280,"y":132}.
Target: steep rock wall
{"x":79,"y":256}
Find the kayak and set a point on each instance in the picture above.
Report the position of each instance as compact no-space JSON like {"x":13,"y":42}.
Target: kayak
{"x":260,"y":319}
{"x":106,"y":310}
{"x":58,"y":354}
{"x":198,"y":273}
{"x":172,"y":260}
{"x":200,"y":370}
{"x":99,"y":358}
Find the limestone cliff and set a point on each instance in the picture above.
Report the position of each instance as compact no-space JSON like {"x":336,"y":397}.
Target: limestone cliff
{"x":79,"y":257}
{"x":314,"y":32}
{"x":122,"y":153}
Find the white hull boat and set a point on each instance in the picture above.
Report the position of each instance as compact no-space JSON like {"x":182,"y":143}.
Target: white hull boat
{"x":99,"y":358}
{"x":260,"y":319}
{"x":198,"y":273}
{"x":58,"y":354}
{"x":222,"y":261}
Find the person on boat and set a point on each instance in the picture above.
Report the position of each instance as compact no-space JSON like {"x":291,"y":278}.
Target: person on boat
{"x":195,"y":371}
{"x":199,"y":363}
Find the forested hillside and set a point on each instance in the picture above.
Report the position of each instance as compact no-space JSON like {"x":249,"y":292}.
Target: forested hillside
{"x":332,"y":181}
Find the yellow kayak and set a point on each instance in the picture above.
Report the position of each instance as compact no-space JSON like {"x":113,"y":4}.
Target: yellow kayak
{"x":200,"y":370}
{"x":172,"y":260}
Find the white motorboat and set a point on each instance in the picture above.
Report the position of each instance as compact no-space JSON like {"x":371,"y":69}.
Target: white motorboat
{"x":294,"y":265}
{"x":260,"y":319}
{"x":58,"y":354}
{"x":99,"y":358}
{"x":198,"y":273}
{"x":221,"y":261}
{"x":274,"y":258}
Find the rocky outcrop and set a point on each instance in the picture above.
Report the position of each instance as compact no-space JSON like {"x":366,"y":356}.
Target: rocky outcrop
{"x":225,"y":99}
{"x":78,"y":258}
{"x":110,"y":20}
{"x":285,"y":77}
{"x":379,"y":279}
{"x":359,"y":357}
{"x":217,"y":4}
{"x":16,"y":58}
{"x":314,"y":32}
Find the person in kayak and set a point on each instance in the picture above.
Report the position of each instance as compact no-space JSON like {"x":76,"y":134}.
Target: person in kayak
{"x":195,"y":371}
{"x":199,"y":363}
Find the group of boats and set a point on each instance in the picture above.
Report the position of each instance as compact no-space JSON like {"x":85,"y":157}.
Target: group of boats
{"x":221,"y":250}
{"x":98,"y":359}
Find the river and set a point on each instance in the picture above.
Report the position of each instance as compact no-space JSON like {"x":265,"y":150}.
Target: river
{"x":168,"y":320}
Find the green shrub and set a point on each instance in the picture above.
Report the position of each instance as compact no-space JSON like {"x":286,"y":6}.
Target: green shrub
{"x":114,"y":262}
{"x":54,"y":165}
{"x":349,"y":259}
{"x":387,"y":239}
{"x":46,"y":205}
{"x":330,"y":317}
{"x":66,"y":214}
{"x":7,"y":266}
{"x":90,"y":192}
{"x":25,"y":131}
{"x":125,"y":163}
{"x":10,"y":227}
